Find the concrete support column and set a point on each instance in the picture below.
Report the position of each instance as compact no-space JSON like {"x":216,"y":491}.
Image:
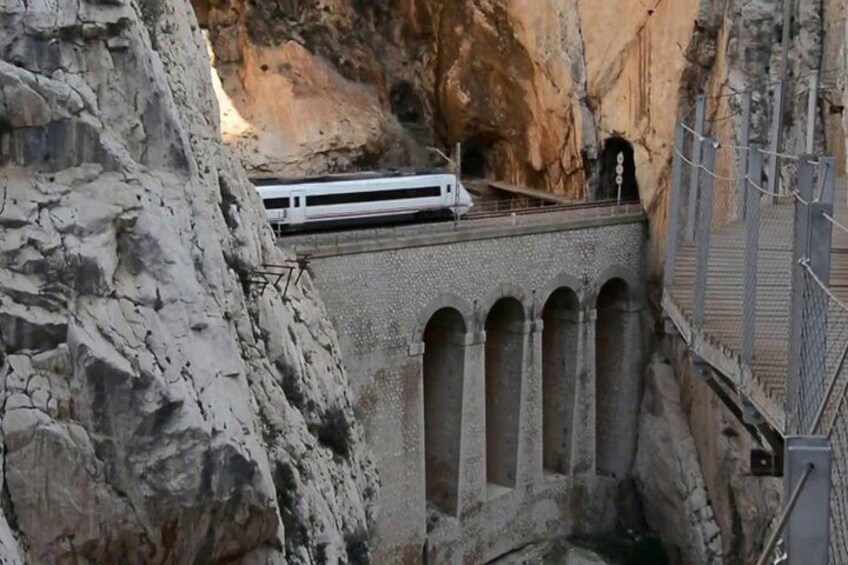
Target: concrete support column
{"x":505,"y":366}
{"x":415,"y":499}
{"x":618,"y":386}
{"x":529,"y":468}
{"x":630,"y":393}
{"x":583,"y":442}
{"x":472,"y":466}
{"x":559,"y":376}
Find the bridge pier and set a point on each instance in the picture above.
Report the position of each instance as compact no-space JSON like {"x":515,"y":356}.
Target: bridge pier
{"x":473,"y":448}
{"x":530,"y":432}
{"x":618,"y":366}
{"x":584,"y":435}
{"x":557,"y":367}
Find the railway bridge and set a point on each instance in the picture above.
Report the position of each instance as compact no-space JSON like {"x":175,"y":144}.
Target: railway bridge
{"x":496,"y":364}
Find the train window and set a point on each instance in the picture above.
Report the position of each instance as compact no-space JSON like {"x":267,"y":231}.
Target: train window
{"x":375,"y":196}
{"x":297,"y":201}
{"x":275,"y":203}
{"x":449,"y":188}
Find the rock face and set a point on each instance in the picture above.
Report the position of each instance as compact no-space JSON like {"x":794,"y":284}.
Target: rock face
{"x":531,"y":89}
{"x":693,"y":471}
{"x":157,"y":404}
{"x":669,"y":475}
{"x":359,"y":84}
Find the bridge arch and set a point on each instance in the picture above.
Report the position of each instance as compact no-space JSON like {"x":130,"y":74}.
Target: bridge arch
{"x":562,"y":280}
{"x":443,"y":373}
{"x":445,"y":300}
{"x":561,"y":315}
{"x":617,"y":272}
{"x":507,"y":290}
{"x":617,"y":375}
{"x":506,"y":331}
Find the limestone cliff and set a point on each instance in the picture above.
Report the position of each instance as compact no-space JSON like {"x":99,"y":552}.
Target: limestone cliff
{"x":335,"y":84}
{"x":157,"y":405}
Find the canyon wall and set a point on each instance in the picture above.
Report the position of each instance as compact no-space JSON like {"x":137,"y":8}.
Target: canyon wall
{"x":158,"y":405}
{"x":532,"y":89}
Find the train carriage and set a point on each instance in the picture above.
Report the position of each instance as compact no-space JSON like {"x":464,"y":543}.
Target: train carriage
{"x":362,"y":198}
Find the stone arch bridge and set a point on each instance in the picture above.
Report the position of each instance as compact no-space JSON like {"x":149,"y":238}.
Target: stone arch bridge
{"x":496,"y":365}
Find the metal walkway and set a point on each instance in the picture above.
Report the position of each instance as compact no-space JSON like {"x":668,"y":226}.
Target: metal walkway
{"x":722,"y":328}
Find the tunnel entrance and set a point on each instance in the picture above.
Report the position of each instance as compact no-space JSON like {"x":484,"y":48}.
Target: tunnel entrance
{"x":617,"y":149}
{"x":610,"y":365}
{"x":559,"y":356}
{"x":473,"y":164}
{"x":504,"y":363}
{"x":475,"y":154}
{"x":444,"y":363}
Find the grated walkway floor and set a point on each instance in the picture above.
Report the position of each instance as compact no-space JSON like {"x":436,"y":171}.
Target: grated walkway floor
{"x":725,"y":284}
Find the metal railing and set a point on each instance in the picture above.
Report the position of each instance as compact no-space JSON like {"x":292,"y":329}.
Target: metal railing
{"x":528,"y":205}
{"x":749,"y":260}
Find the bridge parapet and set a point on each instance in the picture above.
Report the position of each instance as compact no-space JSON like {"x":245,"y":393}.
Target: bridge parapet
{"x":561,"y":218}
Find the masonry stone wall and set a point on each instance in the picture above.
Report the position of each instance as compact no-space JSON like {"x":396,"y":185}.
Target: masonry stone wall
{"x":381,"y":302}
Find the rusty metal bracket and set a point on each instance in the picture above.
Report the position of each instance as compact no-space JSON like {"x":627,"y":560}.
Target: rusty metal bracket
{"x":273,"y":275}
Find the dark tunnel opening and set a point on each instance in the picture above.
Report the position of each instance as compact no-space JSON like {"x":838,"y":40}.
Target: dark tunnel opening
{"x":617,"y":152}
{"x":476,"y":152}
{"x":473,"y":164}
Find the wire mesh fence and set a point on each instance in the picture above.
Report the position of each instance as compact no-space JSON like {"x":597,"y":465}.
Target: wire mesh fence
{"x":838,"y":435}
{"x":761,"y":269}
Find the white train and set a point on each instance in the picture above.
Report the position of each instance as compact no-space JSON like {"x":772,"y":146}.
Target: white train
{"x":362,"y":198}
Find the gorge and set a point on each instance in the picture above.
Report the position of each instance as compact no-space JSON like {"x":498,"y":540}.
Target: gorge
{"x":157,"y":408}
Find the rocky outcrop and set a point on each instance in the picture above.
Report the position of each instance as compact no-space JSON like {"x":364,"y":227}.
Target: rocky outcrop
{"x":669,"y":476}
{"x":692,"y":469}
{"x":355,"y":85}
{"x":557,"y":552}
{"x":158,"y":404}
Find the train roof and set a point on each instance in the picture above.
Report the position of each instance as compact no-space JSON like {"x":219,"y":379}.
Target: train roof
{"x":341,"y":177}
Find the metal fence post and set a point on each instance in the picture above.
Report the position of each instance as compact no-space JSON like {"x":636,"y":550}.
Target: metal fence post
{"x":807,"y":532}
{"x":800,"y":245}
{"x":695,"y":158}
{"x":674,"y":207}
{"x":776,"y":134}
{"x":752,"y":246}
{"x":742,"y":158}
{"x":704,"y":220}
